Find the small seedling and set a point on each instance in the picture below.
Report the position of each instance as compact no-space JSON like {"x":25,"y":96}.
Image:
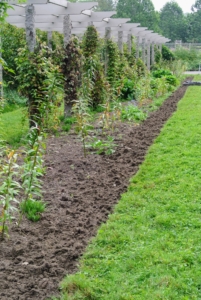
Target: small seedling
{"x":32,"y":209}
{"x":103,"y":146}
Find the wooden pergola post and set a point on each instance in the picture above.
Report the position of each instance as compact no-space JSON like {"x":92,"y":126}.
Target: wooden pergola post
{"x":30,"y":27}
{"x":143,"y":50}
{"x":49,"y":39}
{"x":107,"y":37}
{"x":152,"y":53}
{"x":148,"y":54}
{"x":137,"y":47}
{"x":67,"y":27}
{"x":129,"y":43}
{"x":120,"y":41}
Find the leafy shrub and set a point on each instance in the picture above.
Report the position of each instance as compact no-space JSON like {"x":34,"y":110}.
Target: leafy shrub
{"x":159,"y":86}
{"x":191,"y":56}
{"x":160,"y":73}
{"x":171,"y":79}
{"x":127,"y":91}
{"x":167,"y":54}
{"x":12,"y":100}
{"x":133,"y":113}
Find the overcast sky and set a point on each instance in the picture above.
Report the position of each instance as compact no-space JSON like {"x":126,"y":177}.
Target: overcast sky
{"x":184,"y":4}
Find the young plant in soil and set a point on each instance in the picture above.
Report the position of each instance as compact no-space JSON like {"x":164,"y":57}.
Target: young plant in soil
{"x":8,"y":190}
{"x":82,"y":125}
{"x":32,"y":209}
{"x":133,"y":113}
{"x":102,"y":146}
{"x":32,"y":171}
{"x":111,"y":110}
{"x":105,"y":116}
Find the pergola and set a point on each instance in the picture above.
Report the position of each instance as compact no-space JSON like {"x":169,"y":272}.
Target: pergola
{"x":74,"y":18}
{"x":66,"y":17}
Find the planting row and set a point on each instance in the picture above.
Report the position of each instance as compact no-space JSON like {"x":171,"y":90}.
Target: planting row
{"x":87,"y":85}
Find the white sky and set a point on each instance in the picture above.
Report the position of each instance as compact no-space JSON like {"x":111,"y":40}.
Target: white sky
{"x":184,"y":4}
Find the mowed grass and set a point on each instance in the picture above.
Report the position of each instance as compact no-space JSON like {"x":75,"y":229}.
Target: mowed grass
{"x":150,"y":247}
{"x":14,"y":126}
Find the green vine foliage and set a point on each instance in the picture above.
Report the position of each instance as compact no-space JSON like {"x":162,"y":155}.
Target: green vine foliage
{"x":3,"y":9}
{"x":93,"y":71}
{"x":34,"y":85}
{"x":112,"y":58}
{"x":71,"y":68}
{"x":141,"y":68}
{"x":157,"y":54}
{"x":12,"y":39}
{"x":167,"y":54}
{"x":90,"y":42}
{"x":130,"y":57}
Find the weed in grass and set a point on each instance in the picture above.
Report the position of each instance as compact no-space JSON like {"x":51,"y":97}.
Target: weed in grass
{"x":32,"y":209}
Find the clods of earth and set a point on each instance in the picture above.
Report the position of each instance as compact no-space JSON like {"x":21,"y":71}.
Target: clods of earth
{"x":80,"y":193}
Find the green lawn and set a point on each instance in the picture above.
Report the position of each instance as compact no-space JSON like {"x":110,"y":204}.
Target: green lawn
{"x":150,"y":248}
{"x":14,"y":125}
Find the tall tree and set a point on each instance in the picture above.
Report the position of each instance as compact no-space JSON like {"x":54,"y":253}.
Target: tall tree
{"x":194,"y":24}
{"x":139,"y":11}
{"x":106,"y":5}
{"x":197,"y":6}
{"x":172,"y":21}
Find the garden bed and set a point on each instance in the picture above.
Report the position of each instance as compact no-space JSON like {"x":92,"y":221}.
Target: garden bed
{"x":80,"y":193}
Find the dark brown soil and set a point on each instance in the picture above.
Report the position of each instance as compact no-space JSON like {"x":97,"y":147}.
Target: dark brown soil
{"x":80,"y":193}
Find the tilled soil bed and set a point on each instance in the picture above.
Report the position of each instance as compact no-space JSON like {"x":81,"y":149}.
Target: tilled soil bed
{"x":80,"y":193}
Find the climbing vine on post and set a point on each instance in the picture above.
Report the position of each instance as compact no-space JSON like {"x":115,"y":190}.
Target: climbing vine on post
{"x":71,"y":69}
{"x":112,"y":62}
{"x":92,"y":68}
{"x":37,"y":66}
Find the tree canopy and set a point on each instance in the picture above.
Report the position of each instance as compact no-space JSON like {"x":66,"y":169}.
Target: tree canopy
{"x":139,"y":11}
{"x":172,"y":22}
